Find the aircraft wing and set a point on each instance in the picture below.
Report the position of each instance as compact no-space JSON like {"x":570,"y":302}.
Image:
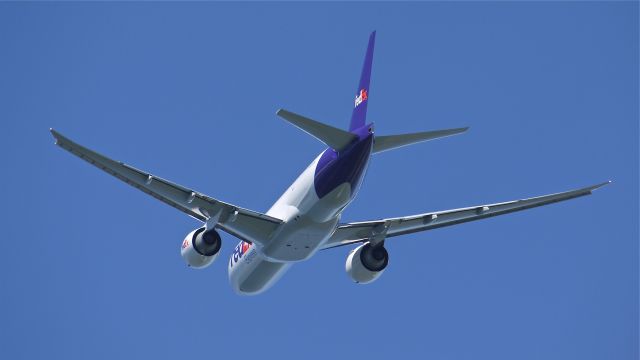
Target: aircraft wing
{"x":379,"y":230}
{"x":248,"y":225}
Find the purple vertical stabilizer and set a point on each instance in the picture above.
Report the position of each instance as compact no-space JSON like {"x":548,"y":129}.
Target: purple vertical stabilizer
{"x":359,"y":116}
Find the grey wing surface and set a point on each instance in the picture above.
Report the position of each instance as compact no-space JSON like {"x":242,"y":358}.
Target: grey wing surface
{"x":356,"y":232}
{"x":245,"y":224}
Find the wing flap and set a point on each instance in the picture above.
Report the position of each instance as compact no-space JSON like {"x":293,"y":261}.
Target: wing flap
{"x":248,"y":225}
{"x":363,"y":231}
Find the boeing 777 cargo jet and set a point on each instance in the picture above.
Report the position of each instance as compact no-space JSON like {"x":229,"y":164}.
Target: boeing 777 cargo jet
{"x":306,"y":218}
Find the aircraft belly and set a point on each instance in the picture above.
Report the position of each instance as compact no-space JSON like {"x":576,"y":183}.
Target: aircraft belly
{"x":264,"y":275}
{"x":301,"y":236}
{"x":251,"y":274}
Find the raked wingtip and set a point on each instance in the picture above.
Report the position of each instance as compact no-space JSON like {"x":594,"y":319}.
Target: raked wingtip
{"x":56,"y":136}
{"x":595,"y":187}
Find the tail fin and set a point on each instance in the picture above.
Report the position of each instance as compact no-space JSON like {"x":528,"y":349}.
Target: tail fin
{"x":384,"y":143}
{"x":359,"y":116}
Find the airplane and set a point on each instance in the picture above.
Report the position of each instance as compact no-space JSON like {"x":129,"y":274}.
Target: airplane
{"x":306,"y":218}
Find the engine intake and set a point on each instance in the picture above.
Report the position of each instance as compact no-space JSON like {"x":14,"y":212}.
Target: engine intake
{"x":200,"y":248}
{"x":366,"y":263}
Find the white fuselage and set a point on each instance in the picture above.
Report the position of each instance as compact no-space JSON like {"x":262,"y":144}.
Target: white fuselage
{"x":308,"y":223}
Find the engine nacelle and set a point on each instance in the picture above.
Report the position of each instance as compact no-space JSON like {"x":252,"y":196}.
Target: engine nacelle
{"x":200,"y":248}
{"x":366,"y":263}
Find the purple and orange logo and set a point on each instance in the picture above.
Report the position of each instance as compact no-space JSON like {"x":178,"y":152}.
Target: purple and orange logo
{"x":361,"y":97}
{"x":239,"y":251}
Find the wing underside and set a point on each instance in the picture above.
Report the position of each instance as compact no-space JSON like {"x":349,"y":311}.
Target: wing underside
{"x":378,"y":230}
{"x":248,"y":225}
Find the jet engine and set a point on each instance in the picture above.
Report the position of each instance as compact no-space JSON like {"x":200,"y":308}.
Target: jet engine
{"x":200,"y":248}
{"x":366,"y":263}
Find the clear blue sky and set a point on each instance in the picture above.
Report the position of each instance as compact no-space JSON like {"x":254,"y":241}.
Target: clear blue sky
{"x":90,"y":268}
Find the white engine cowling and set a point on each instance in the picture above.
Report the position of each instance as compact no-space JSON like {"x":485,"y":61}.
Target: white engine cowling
{"x":200,"y":248}
{"x":366,"y":263}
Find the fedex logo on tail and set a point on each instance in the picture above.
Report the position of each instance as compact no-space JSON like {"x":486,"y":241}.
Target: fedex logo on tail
{"x":361,"y":97}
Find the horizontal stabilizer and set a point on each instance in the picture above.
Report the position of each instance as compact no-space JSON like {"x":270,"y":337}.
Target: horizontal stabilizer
{"x":335,"y":138}
{"x":384,"y":143}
